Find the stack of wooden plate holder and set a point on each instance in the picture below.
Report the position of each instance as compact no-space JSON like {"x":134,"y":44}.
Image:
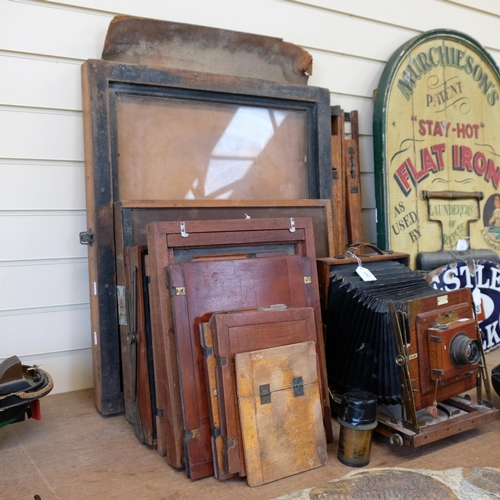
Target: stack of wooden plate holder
{"x":200,"y":293}
{"x":161,"y":262}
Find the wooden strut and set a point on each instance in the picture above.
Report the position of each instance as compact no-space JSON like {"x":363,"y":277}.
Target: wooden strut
{"x":346,"y":185}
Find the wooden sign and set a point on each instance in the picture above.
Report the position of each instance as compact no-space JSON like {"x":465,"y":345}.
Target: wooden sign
{"x":436,"y":117}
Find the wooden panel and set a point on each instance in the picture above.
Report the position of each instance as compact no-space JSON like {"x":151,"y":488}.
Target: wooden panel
{"x":137,"y":214}
{"x":283,"y":436}
{"x":140,"y":355}
{"x":57,"y":83}
{"x":31,"y":186}
{"x":228,"y":150}
{"x":213,"y":286}
{"x":236,"y":332}
{"x":44,"y":331}
{"x":43,"y":285}
{"x":353,"y":183}
{"x":338,"y":181}
{"x":210,"y":363}
{"x":46,"y":136}
{"x":55,"y":236}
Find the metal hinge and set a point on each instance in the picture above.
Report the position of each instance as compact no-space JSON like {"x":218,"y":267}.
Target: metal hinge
{"x":208,"y":351}
{"x":265,"y":394}
{"x":87,"y":237}
{"x":122,"y":305}
{"x":221,"y":361}
{"x":298,"y":386}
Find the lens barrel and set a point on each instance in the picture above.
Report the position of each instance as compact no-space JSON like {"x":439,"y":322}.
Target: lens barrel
{"x":464,"y":350}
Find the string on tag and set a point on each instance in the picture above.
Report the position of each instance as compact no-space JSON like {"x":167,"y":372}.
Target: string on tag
{"x":354,"y":256}
{"x":433,"y":409}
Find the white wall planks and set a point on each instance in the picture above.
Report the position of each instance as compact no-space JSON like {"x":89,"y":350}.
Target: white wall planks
{"x":43,"y":270}
{"x":40,"y":83}
{"x":43,"y":285}
{"x":35,"y":185}
{"x":30,"y":134}
{"x":45,"y":332}
{"x":42,"y":235}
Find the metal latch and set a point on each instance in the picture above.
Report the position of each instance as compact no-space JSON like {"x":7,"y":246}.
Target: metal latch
{"x":87,"y":237}
{"x":265,"y":394}
{"x":298,"y":386}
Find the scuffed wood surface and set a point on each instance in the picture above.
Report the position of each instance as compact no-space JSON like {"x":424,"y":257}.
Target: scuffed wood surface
{"x":165,"y":44}
{"x":284,"y":436}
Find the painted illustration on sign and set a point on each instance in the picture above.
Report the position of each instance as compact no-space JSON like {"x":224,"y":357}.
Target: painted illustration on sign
{"x":483,"y":277}
{"x":437,"y":147}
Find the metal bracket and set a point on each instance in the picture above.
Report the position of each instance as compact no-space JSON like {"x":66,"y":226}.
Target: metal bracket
{"x":292,"y":225}
{"x":208,"y":351}
{"x":298,"y":386}
{"x":352,"y":167}
{"x":183,"y":230}
{"x":195,"y":433}
{"x":122,"y":305}
{"x":221,"y":361}
{"x":87,"y":237}
{"x":265,"y":394}
{"x":307,"y":280}
{"x":178,"y":290}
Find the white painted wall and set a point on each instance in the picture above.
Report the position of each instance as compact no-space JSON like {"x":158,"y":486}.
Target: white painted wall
{"x":44,"y":312}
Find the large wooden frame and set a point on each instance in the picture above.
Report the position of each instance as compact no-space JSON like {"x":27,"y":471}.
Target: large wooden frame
{"x":132,"y":217}
{"x":102,"y":83}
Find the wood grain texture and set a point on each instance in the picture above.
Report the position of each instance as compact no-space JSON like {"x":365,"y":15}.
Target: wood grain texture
{"x":243,"y":331}
{"x":338,"y":184}
{"x":206,"y":337}
{"x":286,"y":435}
{"x":142,"y":391}
{"x":212,"y":286}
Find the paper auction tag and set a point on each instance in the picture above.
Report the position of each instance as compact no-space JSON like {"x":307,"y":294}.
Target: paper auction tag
{"x":365,"y":274}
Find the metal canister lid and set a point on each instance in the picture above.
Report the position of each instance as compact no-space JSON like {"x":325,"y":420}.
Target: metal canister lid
{"x":358,"y":410}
